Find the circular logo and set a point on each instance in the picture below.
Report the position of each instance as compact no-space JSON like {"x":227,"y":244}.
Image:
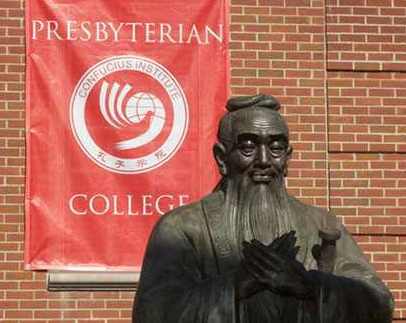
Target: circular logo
{"x":129,"y":114}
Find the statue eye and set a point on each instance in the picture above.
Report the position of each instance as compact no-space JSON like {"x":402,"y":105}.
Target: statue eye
{"x":247,"y":147}
{"x":277,"y":149}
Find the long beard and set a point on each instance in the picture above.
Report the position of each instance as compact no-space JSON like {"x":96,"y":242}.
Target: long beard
{"x":257,"y":210}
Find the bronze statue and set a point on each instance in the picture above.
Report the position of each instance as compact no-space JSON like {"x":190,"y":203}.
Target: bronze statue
{"x":249,"y":252}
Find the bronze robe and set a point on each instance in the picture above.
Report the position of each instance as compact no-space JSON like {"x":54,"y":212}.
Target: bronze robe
{"x":189,"y":267}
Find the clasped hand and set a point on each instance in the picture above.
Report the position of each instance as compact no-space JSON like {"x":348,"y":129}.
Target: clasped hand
{"x":275,"y":267}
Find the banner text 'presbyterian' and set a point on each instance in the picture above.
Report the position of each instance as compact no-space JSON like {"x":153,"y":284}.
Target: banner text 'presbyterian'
{"x":100,"y":31}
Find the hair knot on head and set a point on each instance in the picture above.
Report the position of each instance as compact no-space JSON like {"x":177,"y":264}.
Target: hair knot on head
{"x":259,"y":100}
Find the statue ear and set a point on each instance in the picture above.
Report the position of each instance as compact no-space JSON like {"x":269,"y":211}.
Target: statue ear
{"x":288,"y":156}
{"x":289,"y":152}
{"x":219,"y":151}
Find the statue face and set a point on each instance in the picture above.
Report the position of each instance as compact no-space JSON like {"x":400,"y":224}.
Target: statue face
{"x":260,"y":148}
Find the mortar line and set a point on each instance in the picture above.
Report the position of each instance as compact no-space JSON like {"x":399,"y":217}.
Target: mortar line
{"x":326,"y":108}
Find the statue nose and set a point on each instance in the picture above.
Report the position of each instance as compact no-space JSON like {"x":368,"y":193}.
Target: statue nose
{"x":263,"y":158}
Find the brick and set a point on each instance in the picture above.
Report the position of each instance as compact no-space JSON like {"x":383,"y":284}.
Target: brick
{"x":105,"y":313}
{"x":297,"y":3}
{"x":76,"y":314}
{"x":47,"y":314}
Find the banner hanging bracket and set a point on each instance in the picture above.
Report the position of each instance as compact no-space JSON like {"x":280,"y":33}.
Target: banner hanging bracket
{"x":92,"y":281}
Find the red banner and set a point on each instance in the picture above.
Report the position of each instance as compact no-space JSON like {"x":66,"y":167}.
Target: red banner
{"x":123,"y":100}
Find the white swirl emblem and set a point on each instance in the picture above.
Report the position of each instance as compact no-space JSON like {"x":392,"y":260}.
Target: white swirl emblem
{"x":122,"y":105}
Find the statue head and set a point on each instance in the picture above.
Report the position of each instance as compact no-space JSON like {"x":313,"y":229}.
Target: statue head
{"x":253,"y":140}
{"x":252,"y":154}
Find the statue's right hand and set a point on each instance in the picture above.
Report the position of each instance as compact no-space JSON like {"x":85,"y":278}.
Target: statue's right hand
{"x":245,"y":284}
{"x":279,"y":273}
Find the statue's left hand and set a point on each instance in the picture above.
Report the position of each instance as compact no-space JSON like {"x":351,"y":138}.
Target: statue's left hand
{"x":280,"y":273}
{"x":283,"y":245}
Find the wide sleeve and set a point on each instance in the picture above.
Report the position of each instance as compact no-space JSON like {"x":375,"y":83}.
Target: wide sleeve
{"x":172,"y":287}
{"x":353,"y":293}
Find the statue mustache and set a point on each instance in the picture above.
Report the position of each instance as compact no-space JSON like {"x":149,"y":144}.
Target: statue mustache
{"x":271,"y":170}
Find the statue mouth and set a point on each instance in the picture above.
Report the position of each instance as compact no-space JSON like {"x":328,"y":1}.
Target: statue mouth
{"x":261,"y":176}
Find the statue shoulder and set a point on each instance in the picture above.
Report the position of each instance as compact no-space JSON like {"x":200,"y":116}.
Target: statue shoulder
{"x":181,"y":214}
{"x":309,"y":212}
{"x":188,"y":218}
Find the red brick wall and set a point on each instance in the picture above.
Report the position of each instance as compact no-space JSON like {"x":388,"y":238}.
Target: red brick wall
{"x":367,"y":130}
{"x":366,"y":35}
{"x":338,"y":68}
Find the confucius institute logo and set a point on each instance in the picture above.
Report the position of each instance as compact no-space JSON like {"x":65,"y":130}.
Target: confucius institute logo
{"x":129,"y":114}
